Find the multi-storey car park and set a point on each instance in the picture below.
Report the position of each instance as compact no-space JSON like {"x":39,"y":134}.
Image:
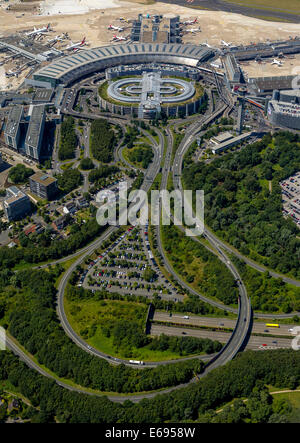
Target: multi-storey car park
{"x":151,"y":94}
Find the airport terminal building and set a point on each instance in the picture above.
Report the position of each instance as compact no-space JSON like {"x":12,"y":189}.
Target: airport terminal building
{"x":71,"y":68}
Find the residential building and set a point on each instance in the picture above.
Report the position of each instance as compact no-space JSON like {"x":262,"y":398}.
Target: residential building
{"x":69,"y":208}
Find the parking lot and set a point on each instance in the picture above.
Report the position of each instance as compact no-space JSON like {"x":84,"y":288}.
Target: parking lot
{"x":122,"y":268}
{"x":291,"y":197}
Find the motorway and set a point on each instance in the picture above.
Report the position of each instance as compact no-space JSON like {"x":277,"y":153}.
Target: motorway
{"x":240,"y":333}
{"x":254,"y":342}
{"x":258,"y":327}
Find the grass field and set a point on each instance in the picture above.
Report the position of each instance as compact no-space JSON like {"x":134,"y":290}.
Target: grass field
{"x":87,"y":319}
{"x":294,"y":399}
{"x":291,"y":6}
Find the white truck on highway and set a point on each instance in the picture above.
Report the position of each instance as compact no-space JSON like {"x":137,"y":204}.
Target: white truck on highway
{"x":136,"y":362}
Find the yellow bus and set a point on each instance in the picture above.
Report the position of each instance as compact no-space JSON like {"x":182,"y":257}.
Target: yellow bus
{"x":272,"y":325}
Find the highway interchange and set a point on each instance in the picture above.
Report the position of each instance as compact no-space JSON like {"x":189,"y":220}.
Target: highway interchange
{"x":241,"y":328}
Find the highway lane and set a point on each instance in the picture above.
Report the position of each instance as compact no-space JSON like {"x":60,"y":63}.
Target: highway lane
{"x":219,"y":322}
{"x":120,"y":398}
{"x":255,"y":342}
{"x":240,"y":333}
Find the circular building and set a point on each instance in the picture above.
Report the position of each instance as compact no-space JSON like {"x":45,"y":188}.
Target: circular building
{"x":72,"y":68}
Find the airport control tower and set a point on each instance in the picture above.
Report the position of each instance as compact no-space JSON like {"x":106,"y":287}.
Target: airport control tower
{"x":241,"y":99}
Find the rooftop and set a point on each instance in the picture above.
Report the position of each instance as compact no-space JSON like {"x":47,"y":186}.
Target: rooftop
{"x":35,"y":124}
{"x":58,"y":69}
{"x":222,"y":137}
{"x":286,"y":108}
{"x":42,"y":178}
{"x":13,"y":194}
{"x":13,"y":120}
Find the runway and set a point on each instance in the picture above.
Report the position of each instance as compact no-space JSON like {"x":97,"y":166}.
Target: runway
{"x":219,"y":5}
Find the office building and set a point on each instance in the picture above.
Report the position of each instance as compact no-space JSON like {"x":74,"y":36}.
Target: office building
{"x":17,"y":204}
{"x":34,"y":137}
{"x":12,"y":130}
{"x":43,"y":185}
{"x":231,"y":142}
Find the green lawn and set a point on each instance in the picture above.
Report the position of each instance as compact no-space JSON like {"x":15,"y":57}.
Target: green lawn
{"x":87,"y":319}
{"x":294,"y":399}
{"x":291,"y":6}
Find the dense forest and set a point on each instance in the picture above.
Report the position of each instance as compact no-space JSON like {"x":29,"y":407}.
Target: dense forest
{"x":245,"y":377}
{"x":198,"y":266}
{"x":69,"y":180}
{"x":68,"y":139}
{"x":28,"y":305}
{"x":141,"y":155}
{"x":102,"y":140}
{"x":268,"y":294}
{"x":103,"y":171}
{"x":241,"y":208}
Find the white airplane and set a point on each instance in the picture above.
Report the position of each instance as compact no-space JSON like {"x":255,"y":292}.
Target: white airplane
{"x":193,"y":30}
{"x":76,"y":46}
{"x":225,"y":44}
{"x":276,"y":62}
{"x":35,"y":31}
{"x":117,"y":38}
{"x":115,"y":28}
{"x":206,"y":44}
{"x":11,"y":73}
{"x":190,"y":22}
{"x":57,"y":38}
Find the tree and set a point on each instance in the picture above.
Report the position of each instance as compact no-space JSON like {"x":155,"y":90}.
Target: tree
{"x":149,"y":274}
{"x":20,"y":174}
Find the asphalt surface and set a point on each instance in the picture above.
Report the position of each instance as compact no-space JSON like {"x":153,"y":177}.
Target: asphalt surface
{"x":254,"y":342}
{"x":240,"y":333}
{"x":219,"y":5}
{"x":217,"y":322}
